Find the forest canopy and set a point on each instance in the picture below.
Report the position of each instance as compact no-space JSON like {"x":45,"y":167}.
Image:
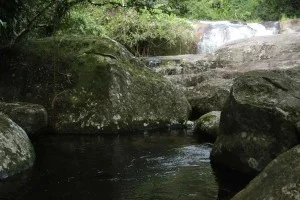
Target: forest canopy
{"x":141,"y":25}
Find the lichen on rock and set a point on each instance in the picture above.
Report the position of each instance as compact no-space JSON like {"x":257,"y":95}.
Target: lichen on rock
{"x":279,"y":180}
{"x":207,"y":125}
{"x":94,"y":85}
{"x":258,"y":121}
{"x":16,"y":150}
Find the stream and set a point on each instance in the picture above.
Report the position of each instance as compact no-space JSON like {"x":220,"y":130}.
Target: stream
{"x":159,"y":165}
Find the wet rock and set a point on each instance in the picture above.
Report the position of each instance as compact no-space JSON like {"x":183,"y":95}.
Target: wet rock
{"x":184,"y":70}
{"x":290,"y":26}
{"x":207,"y":125}
{"x":16,"y":151}
{"x":279,"y":180}
{"x":257,"y":53}
{"x":99,"y":87}
{"x":32,"y":118}
{"x":276,"y":52}
{"x":258,"y":121}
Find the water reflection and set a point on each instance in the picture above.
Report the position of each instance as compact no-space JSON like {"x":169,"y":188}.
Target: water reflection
{"x":150,"y":166}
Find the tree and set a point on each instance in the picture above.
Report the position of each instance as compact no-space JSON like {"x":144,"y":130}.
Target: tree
{"x":43,"y":17}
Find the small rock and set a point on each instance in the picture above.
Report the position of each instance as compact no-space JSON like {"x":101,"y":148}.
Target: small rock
{"x":208,"y":125}
{"x":32,"y":118}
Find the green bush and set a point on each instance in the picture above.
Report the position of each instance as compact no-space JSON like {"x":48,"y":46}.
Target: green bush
{"x":147,"y":32}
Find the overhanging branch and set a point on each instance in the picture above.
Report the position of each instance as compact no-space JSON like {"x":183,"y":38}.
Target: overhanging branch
{"x":31,"y":23}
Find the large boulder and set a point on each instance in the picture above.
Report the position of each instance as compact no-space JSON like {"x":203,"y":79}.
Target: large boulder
{"x":276,"y":52}
{"x":207,"y":125}
{"x":259,"y":120}
{"x":209,"y":95}
{"x":91,"y":85}
{"x":279,"y":180}
{"x":230,"y":60}
{"x":260,"y":53}
{"x":16,"y":150}
{"x":32,"y":118}
{"x":290,"y":26}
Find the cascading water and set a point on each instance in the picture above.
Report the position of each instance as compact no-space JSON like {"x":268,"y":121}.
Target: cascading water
{"x":220,"y":32}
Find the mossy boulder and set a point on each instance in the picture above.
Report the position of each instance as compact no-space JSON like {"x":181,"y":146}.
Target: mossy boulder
{"x":32,"y":118}
{"x":207,"y":125}
{"x":16,"y":150}
{"x":92,"y":85}
{"x":279,"y":180}
{"x":259,"y":121}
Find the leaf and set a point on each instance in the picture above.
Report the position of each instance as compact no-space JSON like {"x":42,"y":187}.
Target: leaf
{"x":3,"y":24}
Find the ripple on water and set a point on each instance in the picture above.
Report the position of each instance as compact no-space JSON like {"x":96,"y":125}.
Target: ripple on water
{"x":187,"y":156}
{"x":157,"y":166}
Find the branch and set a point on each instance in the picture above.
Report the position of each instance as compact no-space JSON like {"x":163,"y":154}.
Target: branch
{"x":30,"y":25}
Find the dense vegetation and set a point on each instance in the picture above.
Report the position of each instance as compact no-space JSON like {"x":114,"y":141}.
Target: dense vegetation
{"x":144,"y":26}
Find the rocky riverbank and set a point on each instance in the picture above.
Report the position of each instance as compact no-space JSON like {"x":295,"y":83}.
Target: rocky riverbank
{"x":90,"y":85}
{"x":255,"y":84}
{"x":94,"y":85}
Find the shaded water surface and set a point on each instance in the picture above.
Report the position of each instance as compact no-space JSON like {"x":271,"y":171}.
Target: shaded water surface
{"x":154,"y":166}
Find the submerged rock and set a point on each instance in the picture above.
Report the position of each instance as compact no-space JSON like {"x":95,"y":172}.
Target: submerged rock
{"x":279,"y":180}
{"x":93,"y":85}
{"x":32,"y":118}
{"x":207,"y":125}
{"x":258,"y":121}
{"x":16,"y":150}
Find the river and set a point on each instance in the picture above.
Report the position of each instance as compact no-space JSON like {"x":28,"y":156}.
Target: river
{"x":158,"y":165}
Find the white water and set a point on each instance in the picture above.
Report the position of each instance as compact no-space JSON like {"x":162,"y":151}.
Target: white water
{"x":221,"y":32}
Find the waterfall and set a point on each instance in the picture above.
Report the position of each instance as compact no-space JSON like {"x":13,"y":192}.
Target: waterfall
{"x":218,"y":33}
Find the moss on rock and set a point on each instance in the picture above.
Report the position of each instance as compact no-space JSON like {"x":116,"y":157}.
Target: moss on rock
{"x":93,"y":85}
{"x":279,"y":180}
{"x":207,"y":125}
{"x":258,"y":121}
{"x":16,"y":151}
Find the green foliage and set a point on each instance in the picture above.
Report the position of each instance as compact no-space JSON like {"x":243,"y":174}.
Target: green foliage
{"x":240,"y":9}
{"x":275,"y":9}
{"x":144,"y":26}
{"x":143,"y":32}
{"x":221,"y":9}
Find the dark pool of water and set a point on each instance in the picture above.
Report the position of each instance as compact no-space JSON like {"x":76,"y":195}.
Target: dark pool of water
{"x":169,"y":165}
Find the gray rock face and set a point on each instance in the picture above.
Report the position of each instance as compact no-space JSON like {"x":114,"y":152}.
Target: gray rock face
{"x":279,"y":180}
{"x":184,"y":70}
{"x":208,"y":125}
{"x":258,"y":121}
{"x":277,"y":52}
{"x":290,"y":26}
{"x":32,"y":118}
{"x":99,"y":87}
{"x":260,"y":53}
{"x":209,"y":95}
{"x":240,"y":56}
{"x":16,"y":151}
